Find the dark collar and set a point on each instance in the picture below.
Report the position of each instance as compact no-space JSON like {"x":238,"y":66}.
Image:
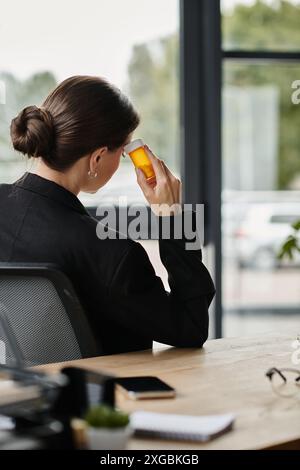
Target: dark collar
{"x":51,"y":190}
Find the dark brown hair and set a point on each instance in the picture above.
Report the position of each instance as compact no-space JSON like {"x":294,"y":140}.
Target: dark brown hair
{"x":81,"y":114}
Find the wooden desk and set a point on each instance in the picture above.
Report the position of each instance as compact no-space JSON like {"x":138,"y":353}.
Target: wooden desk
{"x":227,"y":375}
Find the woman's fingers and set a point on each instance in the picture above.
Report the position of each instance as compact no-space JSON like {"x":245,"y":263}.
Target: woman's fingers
{"x":172,"y":177}
{"x":141,"y":179}
{"x":152,"y":181}
{"x":164,"y":166}
{"x":157,"y":165}
{"x":164,"y":187}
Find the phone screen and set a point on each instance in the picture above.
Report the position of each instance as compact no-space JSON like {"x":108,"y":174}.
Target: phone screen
{"x":145,"y":385}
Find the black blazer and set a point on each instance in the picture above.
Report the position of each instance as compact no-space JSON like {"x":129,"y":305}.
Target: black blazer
{"x":125,"y":302}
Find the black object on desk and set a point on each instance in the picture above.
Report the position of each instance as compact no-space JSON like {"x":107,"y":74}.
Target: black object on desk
{"x":62,"y":397}
{"x":85,"y":388}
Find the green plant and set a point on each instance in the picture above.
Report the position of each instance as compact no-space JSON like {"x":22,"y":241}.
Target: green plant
{"x":292,"y":243}
{"x":103,"y":416}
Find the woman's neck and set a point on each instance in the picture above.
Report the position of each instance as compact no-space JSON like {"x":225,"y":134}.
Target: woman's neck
{"x":67,"y":179}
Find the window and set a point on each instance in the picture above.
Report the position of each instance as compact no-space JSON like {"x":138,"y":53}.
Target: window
{"x":261,"y":163}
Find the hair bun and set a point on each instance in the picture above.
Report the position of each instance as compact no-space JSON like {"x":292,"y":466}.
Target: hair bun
{"x":32,"y":132}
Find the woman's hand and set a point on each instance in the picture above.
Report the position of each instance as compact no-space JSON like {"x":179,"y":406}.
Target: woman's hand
{"x":164,"y":188}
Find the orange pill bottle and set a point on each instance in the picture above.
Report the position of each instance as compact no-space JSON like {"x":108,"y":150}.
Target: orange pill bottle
{"x":139,"y":157}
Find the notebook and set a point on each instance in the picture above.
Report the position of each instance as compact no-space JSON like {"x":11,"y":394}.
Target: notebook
{"x":181,"y":427}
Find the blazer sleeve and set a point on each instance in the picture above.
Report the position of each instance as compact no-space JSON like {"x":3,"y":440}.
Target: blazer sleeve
{"x":139,"y":301}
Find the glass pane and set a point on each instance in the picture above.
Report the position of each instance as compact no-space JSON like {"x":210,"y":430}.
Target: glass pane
{"x":261,"y":197}
{"x":134,"y":44}
{"x":249,"y":24}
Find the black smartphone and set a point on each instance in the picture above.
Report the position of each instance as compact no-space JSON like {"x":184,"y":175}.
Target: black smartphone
{"x":138,"y":388}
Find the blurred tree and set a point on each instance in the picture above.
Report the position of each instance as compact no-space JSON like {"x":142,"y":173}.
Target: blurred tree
{"x":262,"y":25}
{"x":154,"y":88}
{"x":19,"y":94}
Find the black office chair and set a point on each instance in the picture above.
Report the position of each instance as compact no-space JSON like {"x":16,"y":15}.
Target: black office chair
{"x":41,"y":319}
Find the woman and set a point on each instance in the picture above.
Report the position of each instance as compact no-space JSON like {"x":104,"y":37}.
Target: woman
{"x":78,"y":136}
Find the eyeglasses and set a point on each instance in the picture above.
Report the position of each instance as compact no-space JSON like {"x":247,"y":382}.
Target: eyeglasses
{"x":285,"y":382}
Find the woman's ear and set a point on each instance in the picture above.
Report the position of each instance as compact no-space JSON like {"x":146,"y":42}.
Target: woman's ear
{"x":95,"y":158}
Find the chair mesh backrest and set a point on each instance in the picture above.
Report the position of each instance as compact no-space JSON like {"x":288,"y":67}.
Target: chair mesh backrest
{"x":38,"y":321}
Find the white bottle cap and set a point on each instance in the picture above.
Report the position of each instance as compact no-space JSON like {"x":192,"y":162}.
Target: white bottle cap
{"x":135,"y":144}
